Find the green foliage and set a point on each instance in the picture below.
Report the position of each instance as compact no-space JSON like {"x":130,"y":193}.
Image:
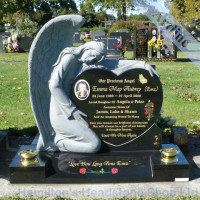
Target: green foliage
{"x":91,"y":20}
{"x":43,"y":13}
{"x":129,"y":24}
{"x":139,"y":17}
{"x":121,"y":6}
{"x":194,"y":127}
{"x":185,"y":10}
{"x":95,"y":28}
{"x":165,"y":124}
{"x":62,"y":7}
{"x":27,"y":27}
{"x":35,"y":10}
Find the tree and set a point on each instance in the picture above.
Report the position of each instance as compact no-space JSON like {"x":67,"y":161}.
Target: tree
{"x":40,"y":11}
{"x":185,"y":10}
{"x":62,"y":7}
{"x":102,"y":16}
{"x":139,"y":17}
{"x":91,"y":20}
{"x":43,"y":13}
{"x":86,"y":8}
{"x":120,"y":6}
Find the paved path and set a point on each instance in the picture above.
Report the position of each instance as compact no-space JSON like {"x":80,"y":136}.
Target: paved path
{"x":192,"y":153}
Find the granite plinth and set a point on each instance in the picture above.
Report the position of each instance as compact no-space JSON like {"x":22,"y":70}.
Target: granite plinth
{"x":3,"y":142}
{"x":107,"y":167}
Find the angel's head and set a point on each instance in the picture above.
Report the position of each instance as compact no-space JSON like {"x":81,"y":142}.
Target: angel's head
{"x":88,"y":53}
{"x":92,"y":52}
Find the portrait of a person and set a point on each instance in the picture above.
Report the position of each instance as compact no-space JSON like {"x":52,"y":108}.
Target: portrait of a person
{"x":72,"y":132}
{"x":82,"y":90}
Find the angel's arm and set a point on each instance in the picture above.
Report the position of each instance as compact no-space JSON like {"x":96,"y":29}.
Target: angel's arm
{"x":57,"y":91}
{"x":56,"y":85}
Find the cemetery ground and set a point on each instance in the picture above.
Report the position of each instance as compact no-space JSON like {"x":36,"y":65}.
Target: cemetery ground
{"x":181,"y":88}
{"x":180,"y":81}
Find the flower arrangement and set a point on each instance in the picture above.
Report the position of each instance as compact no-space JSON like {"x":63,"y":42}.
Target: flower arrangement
{"x":10,"y":45}
{"x":155,"y":43}
{"x":165,"y":124}
{"x":15,"y":47}
{"x":88,"y":36}
{"x":121,"y":49}
{"x":82,"y":38}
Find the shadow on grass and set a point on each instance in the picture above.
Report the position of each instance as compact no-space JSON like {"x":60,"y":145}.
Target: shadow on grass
{"x":31,"y":131}
{"x":186,"y":60}
{"x":183,"y":60}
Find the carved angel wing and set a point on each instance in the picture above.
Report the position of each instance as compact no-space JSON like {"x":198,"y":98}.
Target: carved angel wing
{"x":54,"y":36}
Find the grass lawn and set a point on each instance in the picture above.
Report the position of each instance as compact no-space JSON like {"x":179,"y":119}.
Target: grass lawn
{"x":181,"y":86}
{"x":14,"y":57}
{"x":15,"y":108}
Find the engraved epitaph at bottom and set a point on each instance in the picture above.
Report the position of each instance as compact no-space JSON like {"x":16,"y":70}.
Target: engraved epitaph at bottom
{"x":110,"y":167}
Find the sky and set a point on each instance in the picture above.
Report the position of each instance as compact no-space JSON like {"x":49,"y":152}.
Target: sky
{"x":115,"y":13}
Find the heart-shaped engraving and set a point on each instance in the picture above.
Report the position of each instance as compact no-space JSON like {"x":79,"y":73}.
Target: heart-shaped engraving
{"x":119,"y":108}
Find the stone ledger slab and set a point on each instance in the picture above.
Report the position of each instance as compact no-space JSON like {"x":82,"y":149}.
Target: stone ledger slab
{"x":104,"y":167}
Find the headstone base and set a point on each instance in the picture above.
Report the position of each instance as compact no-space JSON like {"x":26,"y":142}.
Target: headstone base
{"x":109,"y":167}
{"x":3,"y":141}
{"x":180,"y":135}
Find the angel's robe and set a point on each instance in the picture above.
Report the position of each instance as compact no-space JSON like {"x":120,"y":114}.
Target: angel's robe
{"x":71,"y":135}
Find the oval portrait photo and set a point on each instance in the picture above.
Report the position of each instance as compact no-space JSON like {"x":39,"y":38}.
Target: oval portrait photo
{"x":82,"y":90}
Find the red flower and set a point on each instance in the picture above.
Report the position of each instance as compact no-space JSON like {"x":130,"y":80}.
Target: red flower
{"x":145,"y":113}
{"x":82,"y":170}
{"x":152,"y":104}
{"x":114,"y":170}
{"x":149,"y":115}
{"x":145,"y":108}
{"x":152,"y":109}
{"x":114,"y":45}
{"x":119,"y":46}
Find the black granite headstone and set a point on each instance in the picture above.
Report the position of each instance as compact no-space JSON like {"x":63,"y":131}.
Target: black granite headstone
{"x":109,"y":41}
{"x":25,"y":43}
{"x":121,"y":109}
{"x":124,"y":36}
{"x":112,"y":167}
{"x":140,"y":43}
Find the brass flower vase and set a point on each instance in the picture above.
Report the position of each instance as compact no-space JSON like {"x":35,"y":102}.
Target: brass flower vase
{"x":169,"y":155}
{"x":28,"y":157}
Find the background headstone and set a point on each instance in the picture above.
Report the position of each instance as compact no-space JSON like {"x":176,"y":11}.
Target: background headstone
{"x":169,"y":50}
{"x":25,"y":43}
{"x":109,"y":41}
{"x":140,"y":43}
{"x":76,"y":37}
{"x":124,"y":36}
{"x":97,"y":33}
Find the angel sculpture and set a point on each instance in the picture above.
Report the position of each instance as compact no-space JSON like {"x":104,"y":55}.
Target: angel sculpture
{"x":53,"y":66}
